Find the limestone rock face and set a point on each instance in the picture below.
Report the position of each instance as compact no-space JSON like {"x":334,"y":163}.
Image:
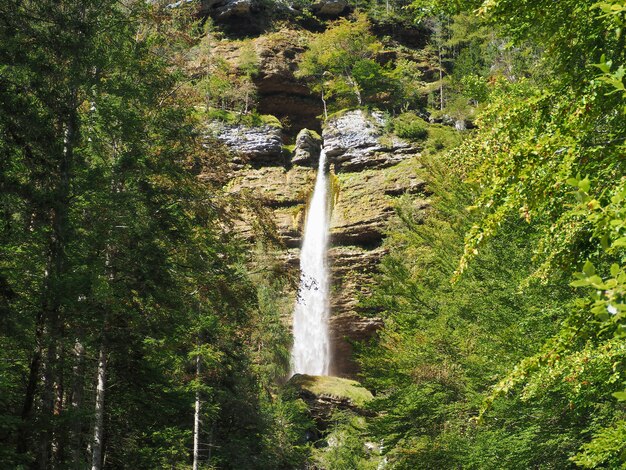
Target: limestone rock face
{"x":363,"y":207}
{"x":222,"y":9}
{"x":366,"y":176}
{"x":355,"y":140}
{"x":280,"y":92}
{"x":285,"y":194}
{"x":257,"y":145}
{"x":308,"y":146}
{"x":234,"y":8}
{"x":329,"y":8}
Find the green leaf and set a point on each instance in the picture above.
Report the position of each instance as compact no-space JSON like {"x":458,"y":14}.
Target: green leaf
{"x":621,"y":396}
{"x":620,"y":242}
{"x":589,"y":269}
{"x":614,"y":269}
{"x":585,"y":185}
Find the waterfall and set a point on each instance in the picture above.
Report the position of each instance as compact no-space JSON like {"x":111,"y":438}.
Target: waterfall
{"x":311,"y":345}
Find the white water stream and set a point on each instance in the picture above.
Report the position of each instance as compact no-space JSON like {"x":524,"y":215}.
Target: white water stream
{"x":311,"y":346}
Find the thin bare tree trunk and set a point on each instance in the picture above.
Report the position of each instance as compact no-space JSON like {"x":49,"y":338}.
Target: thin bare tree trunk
{"x":196,"y":419}
{"x":98,"y":427}
{"x":440,"y":78}
{"x":77,"y":404}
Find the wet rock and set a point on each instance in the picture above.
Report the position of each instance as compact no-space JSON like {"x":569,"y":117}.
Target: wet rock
{"x":308,"y":145}
{"x":355,"y":140}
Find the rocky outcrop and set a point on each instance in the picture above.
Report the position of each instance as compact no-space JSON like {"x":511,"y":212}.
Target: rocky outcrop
{"x":257,"y":145}
{"x":329,"y":8}
{"x":308,"y":146}
{"x":352,"y":270}
{"x":355,"y":140}
{"x":280,"y":92}
{"x":325,"y":395}
{"x":366,"y":176}
{"x":223,"y":9}
{"x":363,"y":203}
{"x":285,"y":194}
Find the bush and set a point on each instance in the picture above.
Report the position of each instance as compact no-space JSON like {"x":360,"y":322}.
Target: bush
{"x":410,"y":126}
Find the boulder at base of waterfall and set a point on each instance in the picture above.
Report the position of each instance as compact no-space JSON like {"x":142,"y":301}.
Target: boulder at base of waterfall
{"x":308,"y":146}
{"x":324,"y":395}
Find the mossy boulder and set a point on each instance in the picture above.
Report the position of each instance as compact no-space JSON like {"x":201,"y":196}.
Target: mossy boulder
{"x":324,"y":395}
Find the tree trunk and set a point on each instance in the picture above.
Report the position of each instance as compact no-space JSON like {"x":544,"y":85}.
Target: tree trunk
{"x":31,"y":388}
{"x":196,"y":419}
{"x":440,"y":78}
{"x":51,"y":292}
{"x":77,"y":404}
{"x":98,"y":427}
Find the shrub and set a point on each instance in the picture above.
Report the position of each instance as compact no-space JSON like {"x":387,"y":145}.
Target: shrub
{"x":410,"y":126}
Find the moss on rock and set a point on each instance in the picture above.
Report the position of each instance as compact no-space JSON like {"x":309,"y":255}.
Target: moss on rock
{"x":333,"y":387}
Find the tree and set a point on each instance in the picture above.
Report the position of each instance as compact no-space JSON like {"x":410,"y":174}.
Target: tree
{"x":342,"y":64}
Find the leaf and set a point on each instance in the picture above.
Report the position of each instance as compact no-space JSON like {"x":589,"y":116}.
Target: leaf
{"x":585,"y":185}
{"x":620,"y":242}
{"x":621,"y":396}
{"x":614,"y":269}
{"x":589,"y":269}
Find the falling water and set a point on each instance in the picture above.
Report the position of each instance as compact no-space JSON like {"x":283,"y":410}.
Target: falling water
{"x":311,"y":351}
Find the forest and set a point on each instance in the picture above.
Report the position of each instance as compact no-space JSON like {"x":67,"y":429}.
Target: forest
{"x":158,"y":160}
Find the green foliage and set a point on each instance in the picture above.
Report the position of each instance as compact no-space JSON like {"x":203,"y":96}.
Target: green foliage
{"x":445,"y":344}
{"x":410,"y":126}
{"x":605,"y":450}
{"x":111,"y":242}
{"x":343,"y":67}
{"x":252,"y":119}
{"x":345,"y":449}
{"x":222,"y":84}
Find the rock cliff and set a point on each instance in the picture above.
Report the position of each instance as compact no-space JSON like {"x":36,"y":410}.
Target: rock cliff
{"x":369,"y":168}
